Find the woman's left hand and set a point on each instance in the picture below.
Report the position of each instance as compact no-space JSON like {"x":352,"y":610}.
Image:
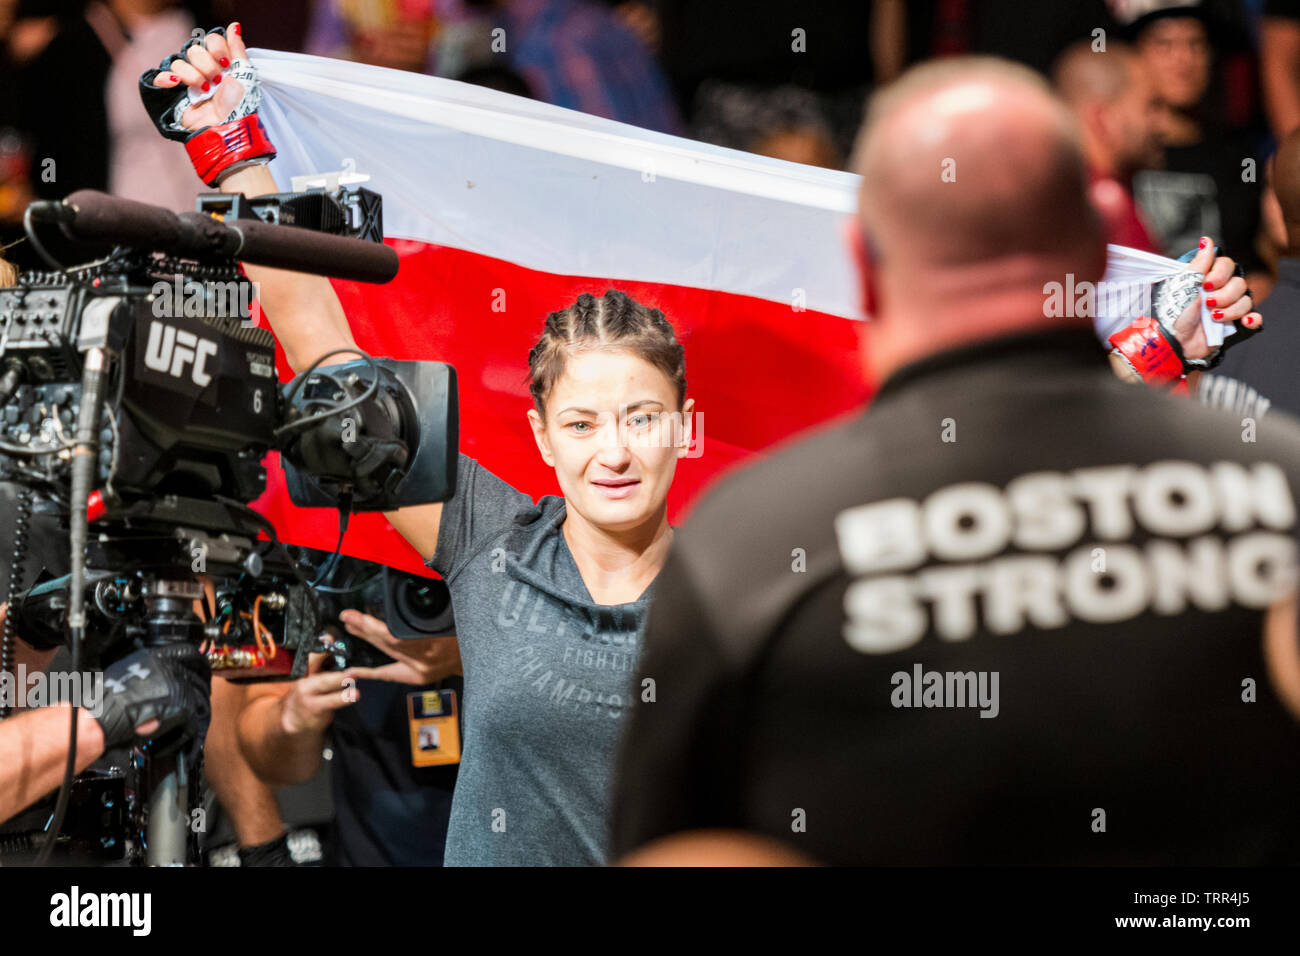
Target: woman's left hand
{"x":415,"y":661}
{"x":1226,"y":296}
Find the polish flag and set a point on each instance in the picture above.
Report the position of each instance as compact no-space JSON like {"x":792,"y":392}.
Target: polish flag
{"x":503,"y":210}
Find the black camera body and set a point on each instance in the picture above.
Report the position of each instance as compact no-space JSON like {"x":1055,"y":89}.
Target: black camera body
{"x":137,"y":403}
{"x":192,"y":400}
{"x":188,"y":404}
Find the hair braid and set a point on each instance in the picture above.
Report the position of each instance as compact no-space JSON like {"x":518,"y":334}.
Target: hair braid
{"x":614,"y":321}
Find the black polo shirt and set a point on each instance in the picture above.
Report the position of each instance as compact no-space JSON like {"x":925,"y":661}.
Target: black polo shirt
{"x":388,"y":812}
{"x":1010,"y":614}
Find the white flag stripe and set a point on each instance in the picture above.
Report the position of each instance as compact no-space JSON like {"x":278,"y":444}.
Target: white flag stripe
{"x":559,"y":191}
{"x":550,"y":129}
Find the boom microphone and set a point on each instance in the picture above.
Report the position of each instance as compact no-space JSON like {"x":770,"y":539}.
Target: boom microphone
{"x":92,"y":215}
{"x":305,"y":250}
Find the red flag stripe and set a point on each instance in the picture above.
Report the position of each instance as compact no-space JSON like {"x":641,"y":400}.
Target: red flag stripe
{"x":759,"y":371}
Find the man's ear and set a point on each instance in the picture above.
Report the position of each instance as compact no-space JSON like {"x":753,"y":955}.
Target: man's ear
{"x":864,"y":260}
{"x":539,"y":436}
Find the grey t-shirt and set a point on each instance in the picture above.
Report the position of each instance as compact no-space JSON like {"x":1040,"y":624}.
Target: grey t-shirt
{"x":549,"y":675}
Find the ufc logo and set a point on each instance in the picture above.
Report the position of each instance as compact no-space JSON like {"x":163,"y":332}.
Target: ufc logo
{"x":171,"y":349}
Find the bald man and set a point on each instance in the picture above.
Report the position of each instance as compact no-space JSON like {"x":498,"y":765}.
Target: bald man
{"x":1014,"y":612}
{"x":1117,"y":108}
{"x":1258,"y":375}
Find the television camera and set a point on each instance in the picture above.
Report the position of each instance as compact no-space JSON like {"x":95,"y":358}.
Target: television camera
{"x":138,"y":403}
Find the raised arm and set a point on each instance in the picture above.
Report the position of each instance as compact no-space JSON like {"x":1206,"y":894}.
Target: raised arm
{"x":304,"y":312}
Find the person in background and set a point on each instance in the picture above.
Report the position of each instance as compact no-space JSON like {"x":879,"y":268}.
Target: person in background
{"x":390,"y":801}
{"x":1208,"y":183}
{"x":248,"y":801}
{"x":641,"y":18}
{"x":1031,"y":33}
{"x":808,"y":143}
{"x":140,"y":166}
{"x":825,"y":52}
{"x":69,"y":145}
{"x":58,"y":135}
{"x":578,"y":54}
{"x":1116,"y":106}
{"x":786,"y":122}
{"x":388,"y":812}
{"x":48,"y":152}
{"x":398,"y":34}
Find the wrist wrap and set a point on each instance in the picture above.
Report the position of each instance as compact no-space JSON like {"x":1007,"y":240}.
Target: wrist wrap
{"x":1156,"y":357}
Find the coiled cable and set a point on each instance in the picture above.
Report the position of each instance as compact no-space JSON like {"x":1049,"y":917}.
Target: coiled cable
{"x":8,"y":639}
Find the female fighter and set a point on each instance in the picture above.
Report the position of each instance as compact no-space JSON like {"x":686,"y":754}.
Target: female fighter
{"x":550,"y":598}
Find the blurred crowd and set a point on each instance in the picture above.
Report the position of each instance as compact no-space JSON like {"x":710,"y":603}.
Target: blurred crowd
{"x":1181,"y":101}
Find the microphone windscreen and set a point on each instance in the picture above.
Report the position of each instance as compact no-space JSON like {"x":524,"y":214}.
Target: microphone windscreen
{"x":110,"y":218}
{"x":305,"y":250}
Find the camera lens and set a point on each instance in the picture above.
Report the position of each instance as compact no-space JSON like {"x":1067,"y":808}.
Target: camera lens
{"x":423,"y":604}
{"x":425,"y":601}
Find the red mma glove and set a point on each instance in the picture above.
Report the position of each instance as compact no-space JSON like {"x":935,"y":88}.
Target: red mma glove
{"x":210,"y":70}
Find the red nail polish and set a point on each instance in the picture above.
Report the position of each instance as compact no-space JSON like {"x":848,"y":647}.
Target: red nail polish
{"x":216,"y":80}
{"x":1211,"y":303}
{"x":173,"y":77}
{"x":1216,"y":314}
{"x":1204,"y":242}
{"x":238,"y":32}
{"x":1209,"y":285}
{"x":224,"y":61}
{"x":206,"y":86}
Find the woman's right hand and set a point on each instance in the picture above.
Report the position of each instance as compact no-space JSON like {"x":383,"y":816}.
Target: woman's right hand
{"x":206,"y":96}
{"x":303,"y":310}
{"x":200,"y":70}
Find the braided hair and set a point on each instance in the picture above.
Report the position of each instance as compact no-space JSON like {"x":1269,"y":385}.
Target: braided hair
{"x":614,"y":321}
